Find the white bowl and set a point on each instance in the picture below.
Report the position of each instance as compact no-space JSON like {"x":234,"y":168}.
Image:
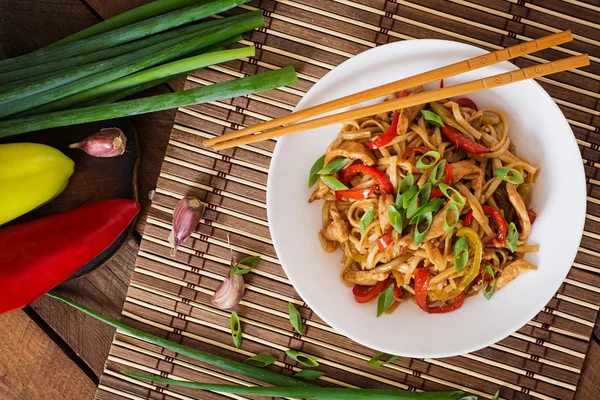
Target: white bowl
{"x":541,"y":134}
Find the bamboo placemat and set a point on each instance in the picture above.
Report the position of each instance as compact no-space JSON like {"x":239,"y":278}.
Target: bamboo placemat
{"x":171,"y":296}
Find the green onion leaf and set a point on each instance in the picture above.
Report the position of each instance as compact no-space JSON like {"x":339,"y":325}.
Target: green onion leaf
{"x":403,"y":188}
{"x":461,"y":253}
{"x":512,"y":237}
{"x":309,"y":374}
{"x":250,"y":262}
{"x":421,"y":163}
{"x":409,"y":195}
{"x":295,"y":318}
{"x":314,"y":176}
{"x":437,"y":173}
{"x":420,"y":236}
{"x":236,"y":330}
{"x":260,"y":360}
{"x":488,"y":289}
{"x":510,"y":175}
{"x":377,"y":361}
{"x":333,"y":183}
{"x":433,"y":206}
{"x":334,"y":166}
{"x":470,"y":397}
{"x":302,"y":358}
{"x":366,"y":219}
{"x":448,"y":228}
{"x":432,"y":118}
{"x":396,"y":218}
{"x":385,"y":300}
{"x":420,"y":198}
{"x":455,"y":196}
{"x":496,"y":396}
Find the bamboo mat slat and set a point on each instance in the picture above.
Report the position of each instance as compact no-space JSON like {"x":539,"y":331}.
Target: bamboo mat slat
{"x":171,"y":297}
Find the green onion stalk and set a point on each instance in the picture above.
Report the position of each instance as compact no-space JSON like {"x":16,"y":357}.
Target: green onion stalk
{"x":218,"y":91}
{"x":121,"y":35}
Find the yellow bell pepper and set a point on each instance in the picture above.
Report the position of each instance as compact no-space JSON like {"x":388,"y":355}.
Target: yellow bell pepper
{"x":30,"y":175}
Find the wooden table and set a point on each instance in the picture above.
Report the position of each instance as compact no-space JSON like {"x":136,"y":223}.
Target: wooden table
{"x":48,"y":350}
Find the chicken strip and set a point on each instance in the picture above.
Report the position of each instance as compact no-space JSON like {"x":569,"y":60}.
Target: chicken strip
{"x":513,"y":270}
{"x":519,"y":205}
{"x":407,"y":115}
{"x":365,"y":278}
{"x":466,"y":169}
{"x":338,"y":230}
{"x":382,"y":210}
{"x":319,"y":192}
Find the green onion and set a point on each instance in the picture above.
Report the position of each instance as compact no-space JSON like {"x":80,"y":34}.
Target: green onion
{"x":122,"y":35}
{"x":311,"y":392}
{"x":303,"y":359}
{"x":385,"y":299}
{"x":409,"y":195}
{"x":432,"y":118}
{"x":420,"y":236}
{"x":314,"y":176}
{"x":488,"y":290}
{"x":421,"y":163}
{"x":512,"y":237}
{"x":333,"y":183}
{"x":449,"y":228}
{"x":218,"y":91}
{"x":260,"y":360}
{"x":422,"y":197}
{"x":405,"y":185}
{"x":334,"y":166}
{"x":309,"y":374}
{"x":251,"y":262}
{"x":458,"y":199}
{"x":437,"y":173}
{"x":366,"y":219}
{"x":510,"y":175}
{"x":376,"y":360}
{"x":461,"y":253}
{"x":396,"y":218}
{"x":236,"y":330}
{"x":469,"y":397}
{"x":295,"y":318}
{"x":236,"y":367}
{"x":433,"y":206}
{"x":496,"y":396}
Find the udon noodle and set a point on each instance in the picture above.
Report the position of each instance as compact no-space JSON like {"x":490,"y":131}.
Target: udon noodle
{"x":430,"y":203}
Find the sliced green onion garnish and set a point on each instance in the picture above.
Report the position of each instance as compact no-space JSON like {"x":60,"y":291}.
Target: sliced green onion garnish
{"x":433,"y":206}
{"x":496,"y":396}
{"x":432,"y":118}
{"x":260,"y":360}
{"x":488,"y":289}
{"x":366,"y":219}
{"x":333,"y":183}
{"x":377,"y":361}
{"x":461,"y":253}
{"x":455,"y":196}
{"x":396,"y":218}
{"x":334,"y":166}
{"x":449,"y":228}
{"x":385,"y":300}
{"x":512,"y":237}
{"x":309,"y":374}
{"x":510,"y":175}
{"x":470,"y":397}
{"x":403,"y":188}
{"x":419,"y":200}
{"x":437,"y":173}
{"x":408,"y":196}
{"x":250,"y":262}
{"x":302,"y":358}
{"x":420,"y":236}
{"x":421,"y":164}
{"x":236,"y":330}
{"x":314,"y":176}
{"x":295,"y":318}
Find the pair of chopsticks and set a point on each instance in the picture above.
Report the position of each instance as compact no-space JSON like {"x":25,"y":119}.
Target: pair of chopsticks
{"x":274,"y":128}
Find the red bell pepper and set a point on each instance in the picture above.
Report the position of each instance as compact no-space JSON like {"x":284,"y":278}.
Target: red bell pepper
{"x":355,"y":194}
{"x":386,"y":136}
{"x":532,"y":215}
{"x":422,"y":277}
{"x":366,"y":294}
{"x":38,"y":255}
{"x":448,"y":178}
{"x":500,"y":237}
{"x":402,"y":93}
{"x":466,"y":102}
{"x":382,"y":180}
{"x":385,"y":240}
{"x":412,"y":150}
{"x":462,"y":142}
{"x":397,"y":291}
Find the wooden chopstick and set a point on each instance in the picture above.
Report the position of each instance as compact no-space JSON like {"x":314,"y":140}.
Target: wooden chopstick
{"x":416,"y":80}
{"x":533,"y":71}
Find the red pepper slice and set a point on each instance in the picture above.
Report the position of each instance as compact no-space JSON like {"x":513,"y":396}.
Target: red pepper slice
{"x":422,"y":277}
{"x":385,"y":240}
{"x":397,"y":291}
{"x":355,"y":194}
{"x":462,"y":142}
{"x":386,"y":136}
{"x":442,"y":83}
{"x":402,"y":93}
{"x":448,"y":178}
{"x":466,"y":102}
{"x":412,"y":150}
{"x":532,"y":215}
{"x":382,"y":180}
{"x":366,"y":294}
{"x":500,"y":222}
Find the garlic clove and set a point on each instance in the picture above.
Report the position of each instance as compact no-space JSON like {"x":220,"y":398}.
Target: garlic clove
{"x":231,"y":291}
{"x":110,"y":142}
{"x":186,"y":218}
